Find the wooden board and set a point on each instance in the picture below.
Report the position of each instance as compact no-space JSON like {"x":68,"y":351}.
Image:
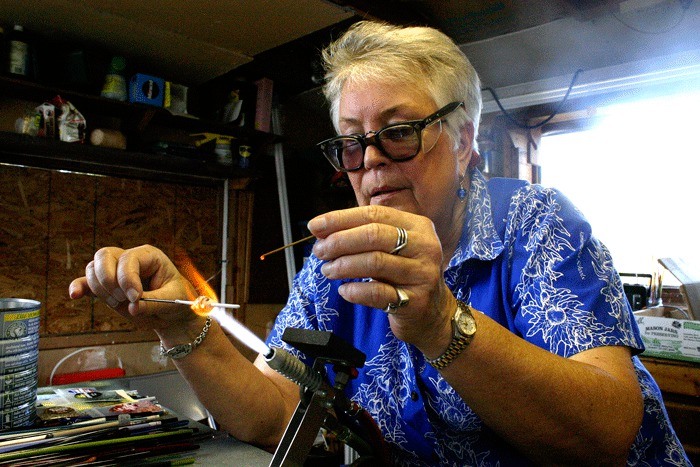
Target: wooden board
{"x":52,"y":222}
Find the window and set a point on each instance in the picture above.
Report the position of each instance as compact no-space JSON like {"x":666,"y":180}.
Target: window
{"x":636,"y":176}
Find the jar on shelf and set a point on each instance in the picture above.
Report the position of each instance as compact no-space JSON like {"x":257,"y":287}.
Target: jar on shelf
{"x":18,"y":52}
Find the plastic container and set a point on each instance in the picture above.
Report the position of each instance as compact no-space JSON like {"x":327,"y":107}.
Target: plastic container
{"x":222,"y":148}
{"x":244,"y":153}
{"x":115,"y":83}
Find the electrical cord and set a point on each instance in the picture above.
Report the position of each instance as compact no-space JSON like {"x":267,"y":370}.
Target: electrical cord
{"x":546,"y":120}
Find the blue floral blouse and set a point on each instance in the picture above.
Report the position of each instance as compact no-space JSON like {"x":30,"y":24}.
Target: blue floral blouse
{"x":527,"y":259}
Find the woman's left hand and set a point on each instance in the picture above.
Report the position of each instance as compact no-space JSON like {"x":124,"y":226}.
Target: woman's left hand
{"x":357,"y":243}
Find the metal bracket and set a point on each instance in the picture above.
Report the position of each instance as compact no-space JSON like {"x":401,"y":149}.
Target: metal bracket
{"x":300,"y":434}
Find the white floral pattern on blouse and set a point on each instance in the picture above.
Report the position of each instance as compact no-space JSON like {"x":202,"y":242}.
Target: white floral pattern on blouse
{"x":527,"y":259}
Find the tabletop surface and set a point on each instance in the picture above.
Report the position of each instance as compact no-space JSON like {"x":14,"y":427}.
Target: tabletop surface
{"x":174,"y":393}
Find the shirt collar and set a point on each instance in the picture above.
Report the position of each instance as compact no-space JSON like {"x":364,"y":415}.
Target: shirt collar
{"x":479,"y":238}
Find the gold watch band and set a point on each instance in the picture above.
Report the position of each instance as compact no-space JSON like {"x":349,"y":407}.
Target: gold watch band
{"x":459,"y":342}
{"x":453,"y":350}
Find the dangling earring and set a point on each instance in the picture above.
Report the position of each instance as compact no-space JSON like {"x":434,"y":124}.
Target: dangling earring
{"x":461,"y":191}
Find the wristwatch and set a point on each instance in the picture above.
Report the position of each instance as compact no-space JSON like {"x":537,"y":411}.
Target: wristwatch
{"x":463,"y":330}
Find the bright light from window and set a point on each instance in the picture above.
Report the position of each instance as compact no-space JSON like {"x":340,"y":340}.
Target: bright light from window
{"x":636,"y":177}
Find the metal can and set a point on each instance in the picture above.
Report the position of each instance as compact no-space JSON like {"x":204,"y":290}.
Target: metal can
{"x":20,"y":317}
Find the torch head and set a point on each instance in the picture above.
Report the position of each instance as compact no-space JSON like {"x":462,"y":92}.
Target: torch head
{"x":294,"y":369}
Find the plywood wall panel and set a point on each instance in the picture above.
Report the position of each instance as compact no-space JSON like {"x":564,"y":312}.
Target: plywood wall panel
{"x":134,"y":212}
{"x":70,"y":248}
{"x":51,"y":223}
{"x":24,"y":211}
{"x":198,"y":227}
{"x":130,"y":213}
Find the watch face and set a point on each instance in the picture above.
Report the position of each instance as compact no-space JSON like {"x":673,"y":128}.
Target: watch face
{"x":465,"y":323}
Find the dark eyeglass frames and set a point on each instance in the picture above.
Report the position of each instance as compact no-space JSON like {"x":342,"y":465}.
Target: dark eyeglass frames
{"x":399,"y":142}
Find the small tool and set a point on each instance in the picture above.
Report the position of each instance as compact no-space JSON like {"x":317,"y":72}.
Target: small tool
{"x":262,"y":257}
{"x":190,"y":303}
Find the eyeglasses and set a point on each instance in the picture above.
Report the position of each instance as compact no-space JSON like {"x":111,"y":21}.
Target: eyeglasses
{"x":399,"y":142}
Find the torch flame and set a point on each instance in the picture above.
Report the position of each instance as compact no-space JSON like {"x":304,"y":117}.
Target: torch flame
{"x":202,"y":304}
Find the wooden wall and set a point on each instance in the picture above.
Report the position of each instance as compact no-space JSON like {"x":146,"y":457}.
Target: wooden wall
{"x":52,"y":222}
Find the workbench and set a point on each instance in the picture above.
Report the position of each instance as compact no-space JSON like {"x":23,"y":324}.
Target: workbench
{"x":679,"y":382}
{"x":173,"y":393}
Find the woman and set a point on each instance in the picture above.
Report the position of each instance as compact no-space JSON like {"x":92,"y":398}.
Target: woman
{"x":495,"y":328}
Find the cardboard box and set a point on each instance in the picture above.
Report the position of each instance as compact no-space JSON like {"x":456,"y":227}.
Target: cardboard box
{"x":688,"y":275}
{"x":677,"y":339}
{"x":147,"y":90}
{"x":263,"y":104}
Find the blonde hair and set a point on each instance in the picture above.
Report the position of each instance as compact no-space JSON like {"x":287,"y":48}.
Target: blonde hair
{"x":371,"y":51}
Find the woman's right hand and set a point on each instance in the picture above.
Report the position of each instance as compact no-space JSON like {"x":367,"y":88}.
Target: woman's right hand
{"x":121,"y":277}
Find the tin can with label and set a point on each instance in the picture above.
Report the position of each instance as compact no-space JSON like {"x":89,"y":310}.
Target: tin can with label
{"x":19,"y":356}
{"x":19,"y":317}
{"x":16,"y":417}
{"x":17,"y":398}
{"x":21,"y":379}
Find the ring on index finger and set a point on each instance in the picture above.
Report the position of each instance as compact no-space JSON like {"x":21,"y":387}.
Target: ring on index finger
{"x":403,"y":301}
{"x":401,"y":241}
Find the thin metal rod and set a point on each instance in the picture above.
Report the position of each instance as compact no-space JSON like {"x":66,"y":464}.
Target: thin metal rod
{"x":224,"y":243}
{"x":283,"y":198}
{"x":190,"y":303}
{"x":305,"y":239}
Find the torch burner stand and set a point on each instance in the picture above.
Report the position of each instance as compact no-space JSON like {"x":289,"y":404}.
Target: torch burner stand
{"x":322,"y":405}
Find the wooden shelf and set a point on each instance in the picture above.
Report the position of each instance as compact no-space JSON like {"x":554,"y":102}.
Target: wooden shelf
{"x":135,"y":121}
{"x":136,"y":116}
{"x":45,"y":153}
